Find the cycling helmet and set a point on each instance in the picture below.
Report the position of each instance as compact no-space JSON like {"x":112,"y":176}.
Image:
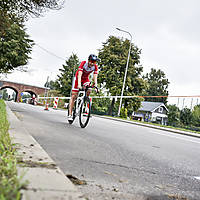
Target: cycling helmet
{"x":92,"y":57}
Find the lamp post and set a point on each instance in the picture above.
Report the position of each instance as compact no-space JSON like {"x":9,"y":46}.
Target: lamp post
{"x":120,"y":104}
{"x":46,"y":90}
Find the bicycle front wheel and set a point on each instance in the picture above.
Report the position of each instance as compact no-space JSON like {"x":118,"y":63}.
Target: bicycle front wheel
{"x":84,"y":114}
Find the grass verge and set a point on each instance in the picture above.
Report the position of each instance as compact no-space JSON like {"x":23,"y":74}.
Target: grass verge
{"x":10,"y":183}
{"x":154,"y":124}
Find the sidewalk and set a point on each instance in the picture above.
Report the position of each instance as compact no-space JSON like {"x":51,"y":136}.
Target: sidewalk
{"x":45,"y":180}
{"x":153,"y":126}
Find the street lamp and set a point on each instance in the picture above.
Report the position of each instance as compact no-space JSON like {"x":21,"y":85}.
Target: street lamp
{"x":120,"y":104}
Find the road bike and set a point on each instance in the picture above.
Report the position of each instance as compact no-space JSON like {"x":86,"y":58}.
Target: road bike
{"x":82,"y":107}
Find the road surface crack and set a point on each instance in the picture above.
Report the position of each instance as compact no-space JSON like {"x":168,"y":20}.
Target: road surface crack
{"x":118,"y":165}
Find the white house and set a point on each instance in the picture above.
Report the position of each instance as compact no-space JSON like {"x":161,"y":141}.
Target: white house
{"x":152,"y":112}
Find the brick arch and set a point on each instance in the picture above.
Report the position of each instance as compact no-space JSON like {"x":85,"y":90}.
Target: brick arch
{"x":31,"y":92}
{"x":13,"y":88}
{"x":20,"y":87}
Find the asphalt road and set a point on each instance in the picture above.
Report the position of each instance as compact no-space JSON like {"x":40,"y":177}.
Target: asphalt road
{"x":117,"y":160}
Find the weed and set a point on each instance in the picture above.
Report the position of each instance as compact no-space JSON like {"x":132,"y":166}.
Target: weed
{"x":10,"y":182}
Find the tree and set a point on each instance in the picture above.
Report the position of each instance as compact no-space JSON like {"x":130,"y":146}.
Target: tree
{"x":17,"y":11}
{"x":4,"y":22}
{"x":64,"y":82}
{"x":113,"y":58}
{"x":13,"y":39}
{"x":100,"y":105}
{"x":13,"y":95}
{"x":157,"y":85}
{"x":23,"y":8}
{"x":196,"y":116}
{"x":186,"y":116}
{"x":124,"y":113}
{"x":51,"y":84}
{"x":15,"y":47}
{"x":25,"y":96}
{"x":5,"y":94}
{"x":173,"y":115}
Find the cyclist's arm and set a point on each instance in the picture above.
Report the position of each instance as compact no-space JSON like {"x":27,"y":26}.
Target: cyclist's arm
{"x":80,"y":72}
{"x":95,"y":75}
{"x":79,"y":79}
{"x":95,"y":79}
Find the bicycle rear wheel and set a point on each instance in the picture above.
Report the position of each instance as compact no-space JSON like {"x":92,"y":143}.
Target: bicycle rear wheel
{"x":84,"y":114}
{"x":73,"y":113}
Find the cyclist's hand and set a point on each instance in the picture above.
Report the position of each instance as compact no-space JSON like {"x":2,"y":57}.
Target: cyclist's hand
{"x":84,"y":87}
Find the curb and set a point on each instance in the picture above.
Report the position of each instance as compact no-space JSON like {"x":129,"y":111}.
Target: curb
{"x":152,"y":126}
{"x":45,"y":179}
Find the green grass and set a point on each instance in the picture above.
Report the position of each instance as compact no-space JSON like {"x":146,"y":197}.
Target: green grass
{"x":165,"y":126}
{"x":10,"y":183}
{"x":172,"y":127}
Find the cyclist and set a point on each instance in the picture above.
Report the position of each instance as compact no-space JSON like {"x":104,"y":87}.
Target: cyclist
{"x":82,"y":79}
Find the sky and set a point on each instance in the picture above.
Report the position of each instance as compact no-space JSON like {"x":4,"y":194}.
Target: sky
{"x":166,"y":31}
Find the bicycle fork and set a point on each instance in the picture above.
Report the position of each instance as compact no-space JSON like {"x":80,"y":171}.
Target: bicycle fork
{"x":78,"y":105}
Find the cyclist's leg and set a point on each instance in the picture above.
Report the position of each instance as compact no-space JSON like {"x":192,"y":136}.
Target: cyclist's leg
{"x":75,"y":91}
{"x":71,"y":102}
{"x":87,"y":83}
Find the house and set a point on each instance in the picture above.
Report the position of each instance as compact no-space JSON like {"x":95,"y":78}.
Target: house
{"x":152,"y":112}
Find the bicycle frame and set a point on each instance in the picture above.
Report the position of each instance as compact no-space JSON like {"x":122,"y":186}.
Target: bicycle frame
{"x":82,"y":107}
{"x":79,"y":101}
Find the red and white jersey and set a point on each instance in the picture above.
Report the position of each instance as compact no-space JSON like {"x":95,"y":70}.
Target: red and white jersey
{"x":86,"y":70}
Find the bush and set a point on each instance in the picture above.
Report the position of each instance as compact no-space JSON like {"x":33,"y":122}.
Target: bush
{"x":123,"y":113}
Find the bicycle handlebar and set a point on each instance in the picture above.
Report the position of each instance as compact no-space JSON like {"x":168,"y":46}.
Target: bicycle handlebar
{"x":85,"y":88}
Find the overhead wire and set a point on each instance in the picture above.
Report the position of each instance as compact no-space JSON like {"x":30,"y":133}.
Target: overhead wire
{"x":49,"y":52}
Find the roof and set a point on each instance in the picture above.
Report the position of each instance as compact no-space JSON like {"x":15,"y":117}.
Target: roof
{"x":151,"y":106}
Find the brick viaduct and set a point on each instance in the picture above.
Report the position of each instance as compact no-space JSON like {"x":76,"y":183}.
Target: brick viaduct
{"x":20,"y":87}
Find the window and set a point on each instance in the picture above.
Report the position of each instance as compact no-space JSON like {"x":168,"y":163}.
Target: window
{"x":160,"y":110}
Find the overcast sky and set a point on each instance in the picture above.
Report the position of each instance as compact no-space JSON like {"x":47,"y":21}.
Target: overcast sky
{"x":168,"y":33}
